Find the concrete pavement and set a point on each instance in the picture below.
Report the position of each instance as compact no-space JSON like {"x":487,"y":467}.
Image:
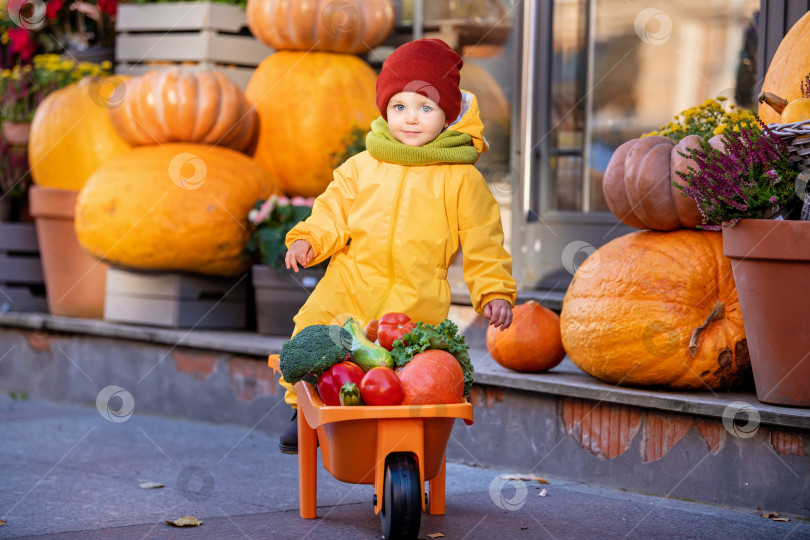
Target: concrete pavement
{"x":71,"y":471}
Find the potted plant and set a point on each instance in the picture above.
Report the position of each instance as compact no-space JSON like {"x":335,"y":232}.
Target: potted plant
{"x":279,"y":292}
{"x":752,"y":191}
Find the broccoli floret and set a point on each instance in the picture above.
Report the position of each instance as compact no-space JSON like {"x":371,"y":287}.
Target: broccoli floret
{"x":313,"y":350}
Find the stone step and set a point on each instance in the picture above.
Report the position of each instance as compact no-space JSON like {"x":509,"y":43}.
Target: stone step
{"x":724,"y":448}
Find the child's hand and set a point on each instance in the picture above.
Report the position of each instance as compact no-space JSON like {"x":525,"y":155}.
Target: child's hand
{"x":300,"y":252}
{"x":499,"y":313}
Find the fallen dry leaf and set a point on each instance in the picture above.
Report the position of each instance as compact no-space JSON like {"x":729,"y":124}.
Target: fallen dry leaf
{"x":436,"y":535}
{"x":773,"y":516}
{"x":529,"y":477}
{"x":543,"y":493}
{"x":185,"y":521}
{"x":150,"y":485}
{"x":2,"y":522}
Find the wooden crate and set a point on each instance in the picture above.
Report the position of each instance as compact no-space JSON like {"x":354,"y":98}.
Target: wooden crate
{"x":175,"y":300}
{"x":279,"y":296}
{"x":22,"y":285}
{"x":192,"y":36}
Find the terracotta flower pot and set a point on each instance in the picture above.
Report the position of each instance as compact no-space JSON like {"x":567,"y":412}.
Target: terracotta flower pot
{"x":16,"y":133}
{"x":770,"y":260}
{"x":74,"y":280}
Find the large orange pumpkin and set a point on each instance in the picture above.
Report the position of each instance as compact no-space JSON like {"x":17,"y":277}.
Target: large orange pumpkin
{"x":532,"y":343}
{"x":657,"y":309}
{"x":432,"y":377}
{"x":307,"y":104}
{"x":345,"y":26}
{"x":788,"y":67}
{"x":71,"y":134}
{"x":164,"y":106}
{"x":638,"y":185}
{"x":178,"y":206}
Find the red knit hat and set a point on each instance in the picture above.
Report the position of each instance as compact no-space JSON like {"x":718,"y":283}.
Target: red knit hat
{"x":426,"y":66}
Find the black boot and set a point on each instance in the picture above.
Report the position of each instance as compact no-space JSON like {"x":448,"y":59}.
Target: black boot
{"x":288,"y":442}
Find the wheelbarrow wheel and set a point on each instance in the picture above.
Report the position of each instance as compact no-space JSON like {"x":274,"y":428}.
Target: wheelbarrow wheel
{"x":401,"y":511}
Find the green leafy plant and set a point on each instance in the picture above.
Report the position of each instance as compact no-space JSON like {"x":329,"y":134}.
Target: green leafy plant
{"x":271,"y":220}
{"x":354,"y":143}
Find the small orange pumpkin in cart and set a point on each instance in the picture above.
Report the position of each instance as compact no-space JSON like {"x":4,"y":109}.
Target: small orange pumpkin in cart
{"x":532,"y":343}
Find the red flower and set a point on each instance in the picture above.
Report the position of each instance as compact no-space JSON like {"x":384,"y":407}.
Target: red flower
{"x":53,"y":7}
{"x":108,"y":6}
{"x":21,"y":43}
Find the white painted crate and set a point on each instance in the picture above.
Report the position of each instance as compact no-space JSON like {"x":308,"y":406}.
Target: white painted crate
{"x":194,"y":36}
{"x":175,"y":299}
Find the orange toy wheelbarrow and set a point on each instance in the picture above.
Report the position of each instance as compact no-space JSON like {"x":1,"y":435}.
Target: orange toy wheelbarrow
{"x":396,"y":448}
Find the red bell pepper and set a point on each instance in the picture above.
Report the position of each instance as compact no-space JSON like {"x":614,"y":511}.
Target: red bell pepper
{"x":392,"y":327}
{"x":332,"y":380}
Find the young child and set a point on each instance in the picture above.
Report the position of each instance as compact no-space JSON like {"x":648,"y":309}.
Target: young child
{"x":404,"y":207}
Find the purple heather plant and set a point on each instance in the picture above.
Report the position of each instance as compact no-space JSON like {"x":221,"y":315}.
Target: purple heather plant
{"x":752,"y":178}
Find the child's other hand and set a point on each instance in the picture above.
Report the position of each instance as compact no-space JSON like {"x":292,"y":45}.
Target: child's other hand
{"x":300,"y":252}
{"x":499,"y":313}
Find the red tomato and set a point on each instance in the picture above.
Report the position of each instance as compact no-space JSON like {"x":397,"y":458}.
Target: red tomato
{"x":331,"y":380}
{"x":381,"y":386}
{"x":432,"y":377}
{"x":392,"y":327}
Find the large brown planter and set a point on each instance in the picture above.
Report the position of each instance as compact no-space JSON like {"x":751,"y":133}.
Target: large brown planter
{"x":279,"y":296}
{"x":771,"y":264}
{"x":74,"y":280}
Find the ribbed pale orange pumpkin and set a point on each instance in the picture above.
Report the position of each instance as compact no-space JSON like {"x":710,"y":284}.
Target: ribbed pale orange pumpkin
{"x":789,"y":65}
{"x":307,"y":105}
{"x":71,"y":134}
{"x":657,"y":309}
{"x":638,"y":185}
{"x":532,"y":343}
{"x":164,"y":106}
{"x":179,"y":206}
{"x":344,"y":26}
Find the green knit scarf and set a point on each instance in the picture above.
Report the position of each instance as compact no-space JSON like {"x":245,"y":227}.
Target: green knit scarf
{"x":449,"y":147}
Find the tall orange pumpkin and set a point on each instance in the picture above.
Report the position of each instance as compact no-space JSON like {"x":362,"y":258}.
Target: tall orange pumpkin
{"x":789,"y":65}
{"x":175,"y":207}
{"x":657,"y":309}
{"x":345,"y":26}
{"x":164,"y":106}
{"x":308,"y":103}
{"x":532,"y":343}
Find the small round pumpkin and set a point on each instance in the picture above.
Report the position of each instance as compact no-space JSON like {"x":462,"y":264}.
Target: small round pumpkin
{"x":345,"y":26}
{"x":175,"y":207}
{"x":788,"y":67}
{"x":163,"y":106}
{"x":308,"y":103}
{"x":657,"y":309}
{"x":638,"y":185}
{"x":71,"y":134}
{"x":532,"y":343}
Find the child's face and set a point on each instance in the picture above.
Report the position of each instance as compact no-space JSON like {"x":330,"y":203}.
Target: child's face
{"x":414,"y":119}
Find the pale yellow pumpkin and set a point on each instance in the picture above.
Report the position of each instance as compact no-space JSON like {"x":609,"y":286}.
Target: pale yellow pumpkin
{"x":307,"y":104}
{"x":788,"y":67}
{"x":164,"y":106}
{"x":178,"y":206}
{"x":72,"y":135}
{"x":342,"y":26}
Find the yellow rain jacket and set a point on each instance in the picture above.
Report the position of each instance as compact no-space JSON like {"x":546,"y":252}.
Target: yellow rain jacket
{"x":404,"y":225}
